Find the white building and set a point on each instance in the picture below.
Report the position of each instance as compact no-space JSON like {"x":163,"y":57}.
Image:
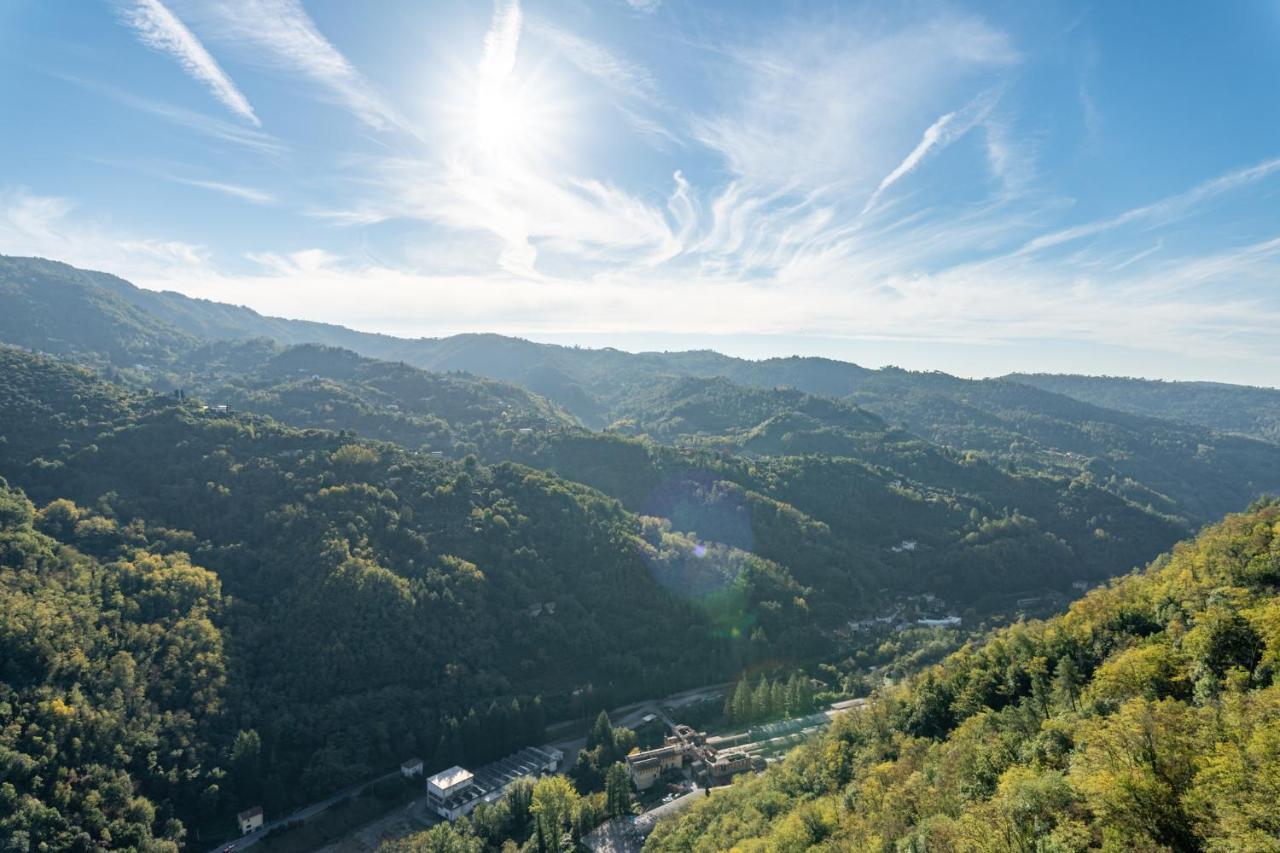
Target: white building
{"x":456,"y":792}
{"x":945,"y":622}
{"x":449,"y":792}
{"x":250,"y":820}
{"x":411,"y":767}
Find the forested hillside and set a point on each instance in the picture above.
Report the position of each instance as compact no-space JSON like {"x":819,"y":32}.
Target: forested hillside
{"x":780,"y":406}
{"x":113,"y":683}
{"x":382,"y":603}
{"x":370,"y":560}
{"x":376,"y":602}
{"x":1175,"y":467}
{"x":328,"y":388}
{"x":1233,"y":408}
{"x":62,"y":310}
{"x":1145,"y":718}
{"x":832,"y":521}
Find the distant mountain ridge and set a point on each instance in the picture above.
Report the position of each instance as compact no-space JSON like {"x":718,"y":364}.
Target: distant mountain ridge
{"x":1184,"y":466}
{"x":1246,"y":409}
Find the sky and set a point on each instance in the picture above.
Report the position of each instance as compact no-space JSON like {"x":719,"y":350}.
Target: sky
{"x":975,"y":188}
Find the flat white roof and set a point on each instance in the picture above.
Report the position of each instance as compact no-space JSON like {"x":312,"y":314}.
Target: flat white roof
{"x":446,"y":779}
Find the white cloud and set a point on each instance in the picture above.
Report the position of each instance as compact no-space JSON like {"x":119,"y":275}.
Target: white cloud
{"x":249,"y":194}
{"x":280,"y":33}
{"x":46,"y":226}
{"x":160,"y":29}
{"x":216,"y":129}
{"x":501,"y":41}
{"x":819,"y":110}
{"x":1212,"y":305}
{"x":597,"y":61}
{"x":632,"y":87}
{"x":932,"y":135}
{"x":1162,"y":211}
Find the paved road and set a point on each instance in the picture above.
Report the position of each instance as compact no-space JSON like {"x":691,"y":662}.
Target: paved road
{"x":244,"y":842}
{"x":631,"y":715}
{"x":627,"y":715}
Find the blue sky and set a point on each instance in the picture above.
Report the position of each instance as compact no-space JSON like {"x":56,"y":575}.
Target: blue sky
{"x":976,"y":188}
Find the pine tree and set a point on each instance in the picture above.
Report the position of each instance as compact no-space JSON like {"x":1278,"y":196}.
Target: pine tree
{"x":760,"y":700}
{"x":742,"y":702}
{"x":777,"y":700}
{"x":617,"y":786}
{"x":1066,"y":681}
{"x":804,"y":694}
{"x":449,"y":749}
{"x":794,"y":703}
{"x":601,"y":733}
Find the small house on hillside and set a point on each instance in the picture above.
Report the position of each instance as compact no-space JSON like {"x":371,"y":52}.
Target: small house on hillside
{"x":411,"y":767}
{"x":250,"y":820}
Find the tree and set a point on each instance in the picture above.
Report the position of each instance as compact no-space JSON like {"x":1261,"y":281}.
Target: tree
{"x":1066,"y":681}
{"x":1136,"y":767}
{"x":742,"y":702}
{"x":1041,"y":685}
{"x":601,"y":732}
{"x":449,"y":750}
{"x":760,"y":700}
{"x":777,"y":699}
{"x":246,"y":769}
{"x":617,"y":788}
{"x":1221,"y":639}
{"x":552,"y":807}
{"x":443,"y":838}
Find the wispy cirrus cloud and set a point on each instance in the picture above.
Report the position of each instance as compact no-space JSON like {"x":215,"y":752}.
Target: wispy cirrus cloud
{"x":49,"y":226}
{"x":809,"y":109}
{"x":212,"y":128}
{"x":501,"y":41}
{"x":282,"y":34}
{"x":158,"y":28}
{"x":1162,"y":211}
{"x":930,"y":140}
{"x":597,"y":61}
{"x":632,"y":88}
{"x":945,"y":130}
{"x":249,"y":194}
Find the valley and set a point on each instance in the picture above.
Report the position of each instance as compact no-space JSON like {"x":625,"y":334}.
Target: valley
{"x":453,"y":548}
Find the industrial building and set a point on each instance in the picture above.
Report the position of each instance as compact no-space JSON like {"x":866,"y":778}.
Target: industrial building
{"x":457,"y":791}
{"x":710,"y":765}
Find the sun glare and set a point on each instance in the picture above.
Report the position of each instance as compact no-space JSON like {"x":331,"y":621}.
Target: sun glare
{"x":505,"y":120}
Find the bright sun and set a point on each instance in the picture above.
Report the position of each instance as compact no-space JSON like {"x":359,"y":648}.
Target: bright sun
{"x":516,"y":120}
{"x":508,"y":117}
{"x":504,"y":120}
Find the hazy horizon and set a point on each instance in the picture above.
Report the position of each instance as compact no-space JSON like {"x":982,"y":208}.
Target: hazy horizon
{"x":875,"y":354}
